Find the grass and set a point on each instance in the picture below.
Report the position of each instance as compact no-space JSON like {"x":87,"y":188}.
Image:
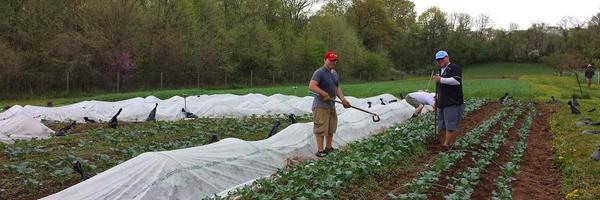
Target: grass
{"x":572,"y":152}
{"x":504,"y":70}
{"x":561,"y":87}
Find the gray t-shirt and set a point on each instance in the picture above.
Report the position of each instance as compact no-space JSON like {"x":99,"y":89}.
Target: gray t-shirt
{"x":328,"y":82}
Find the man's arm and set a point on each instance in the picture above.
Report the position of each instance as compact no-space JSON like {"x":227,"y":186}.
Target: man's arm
{"x":340,"y":94}
{"x":314,"y":87}
{"x":456,"y":78}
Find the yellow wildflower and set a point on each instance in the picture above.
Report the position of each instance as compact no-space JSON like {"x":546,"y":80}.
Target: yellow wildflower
{"x":572,"y":194}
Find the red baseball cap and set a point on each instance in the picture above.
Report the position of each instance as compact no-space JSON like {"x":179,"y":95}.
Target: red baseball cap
{"x":330,"y":55}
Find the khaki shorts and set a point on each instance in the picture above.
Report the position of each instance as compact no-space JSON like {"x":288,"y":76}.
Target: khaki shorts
{"x":325,"y":121}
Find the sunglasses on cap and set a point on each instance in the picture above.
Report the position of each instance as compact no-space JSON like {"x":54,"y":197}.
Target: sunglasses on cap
{"x":439,"y":59}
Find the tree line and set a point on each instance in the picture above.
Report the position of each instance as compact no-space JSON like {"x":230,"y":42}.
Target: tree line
{"x":71,"y":46}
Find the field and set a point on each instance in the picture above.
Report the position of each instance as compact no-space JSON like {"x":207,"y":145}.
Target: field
{"x":525,"y":149}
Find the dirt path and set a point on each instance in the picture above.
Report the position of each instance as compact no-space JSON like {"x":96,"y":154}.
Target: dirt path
{"x":538,"y":177}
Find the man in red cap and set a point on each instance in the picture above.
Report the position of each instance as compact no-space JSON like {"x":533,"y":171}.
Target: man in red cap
{"x":324,"y":83}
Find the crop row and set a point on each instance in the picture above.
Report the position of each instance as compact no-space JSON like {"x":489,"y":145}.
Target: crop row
{"x":322,"y":178}
{"x":418,"y":187}
{"x":464,"y":182}
{"x":510,"y":169}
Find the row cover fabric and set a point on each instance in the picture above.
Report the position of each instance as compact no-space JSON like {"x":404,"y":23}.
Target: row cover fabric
{"x":197,"y":172}
{"x":138,"y":109}
{"x":22,"y":127}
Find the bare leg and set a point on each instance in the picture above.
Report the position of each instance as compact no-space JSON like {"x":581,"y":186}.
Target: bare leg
{"x":418,"y":109}
{"x":329,"y":141}
{"x":320,"y":142}
{"x":442,"y":136}
{"x":450,"y":136}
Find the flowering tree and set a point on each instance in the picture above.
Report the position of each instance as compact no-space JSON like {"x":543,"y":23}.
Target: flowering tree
{"x":123,"y":63}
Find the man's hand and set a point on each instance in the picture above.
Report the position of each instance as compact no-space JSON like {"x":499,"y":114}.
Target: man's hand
{"x":326,"y":98}
{"x":346,"y":104}
{"x":437,"y":78}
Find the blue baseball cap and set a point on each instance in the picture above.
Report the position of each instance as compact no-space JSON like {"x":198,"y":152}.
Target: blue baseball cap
{"x":441,"y":54}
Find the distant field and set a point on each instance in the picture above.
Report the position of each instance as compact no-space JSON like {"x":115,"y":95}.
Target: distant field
{"x":505,"y":70}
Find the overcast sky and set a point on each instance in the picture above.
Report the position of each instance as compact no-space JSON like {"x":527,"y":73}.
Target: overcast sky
{"x":522,"y":12}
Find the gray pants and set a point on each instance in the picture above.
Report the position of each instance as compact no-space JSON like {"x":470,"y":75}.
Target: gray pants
{"x":449,"y":117}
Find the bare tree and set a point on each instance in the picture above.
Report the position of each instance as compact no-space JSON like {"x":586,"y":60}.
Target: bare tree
{"x":513,"y":27}
{"x":460,"y":21}
{"x":483,"y":25}
{"x":595,"y":20}
{"x":298,"y":10}
{"x":569,"y":22}
{"x":464,"y":22}
{"x":483,"y":22}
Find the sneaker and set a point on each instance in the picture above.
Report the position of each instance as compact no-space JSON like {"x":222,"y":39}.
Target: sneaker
{"x":320,"y":154}
{"x":446,"y":148}
{"x":328,"y":150}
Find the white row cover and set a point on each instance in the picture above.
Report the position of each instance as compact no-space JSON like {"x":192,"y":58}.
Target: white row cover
{"x":138,"y":109}
{"x":22,"y":127}
{"x":202,"y":171}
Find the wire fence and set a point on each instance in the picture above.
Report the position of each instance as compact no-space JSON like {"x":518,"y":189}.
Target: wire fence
{"x":68,"y":83}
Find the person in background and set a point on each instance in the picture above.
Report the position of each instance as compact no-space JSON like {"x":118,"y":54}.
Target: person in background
{"x":419,"y":99}
{"x":589,"y":74}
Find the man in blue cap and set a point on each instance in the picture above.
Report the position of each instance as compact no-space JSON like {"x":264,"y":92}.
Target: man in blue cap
{"x":449,"y":98}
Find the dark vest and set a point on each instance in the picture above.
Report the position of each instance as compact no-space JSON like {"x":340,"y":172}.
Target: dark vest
{"x":449,"y":95}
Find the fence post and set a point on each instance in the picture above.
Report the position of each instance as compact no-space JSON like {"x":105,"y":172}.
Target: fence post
{"x":68,"y":81}
{"x":251,"y":76}
{"x":161,"y":80}
{"x":118,"y":81}
{"x":198,"y":80}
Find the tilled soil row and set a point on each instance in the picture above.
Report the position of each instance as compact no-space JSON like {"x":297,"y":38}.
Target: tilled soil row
{"x":465,"y":162}
{"x":539,"y":177}
{"x":487,"y":182}
{"x":395,"y":178}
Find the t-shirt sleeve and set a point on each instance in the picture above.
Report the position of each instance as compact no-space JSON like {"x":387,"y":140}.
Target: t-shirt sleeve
{"x":316,"y":76}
